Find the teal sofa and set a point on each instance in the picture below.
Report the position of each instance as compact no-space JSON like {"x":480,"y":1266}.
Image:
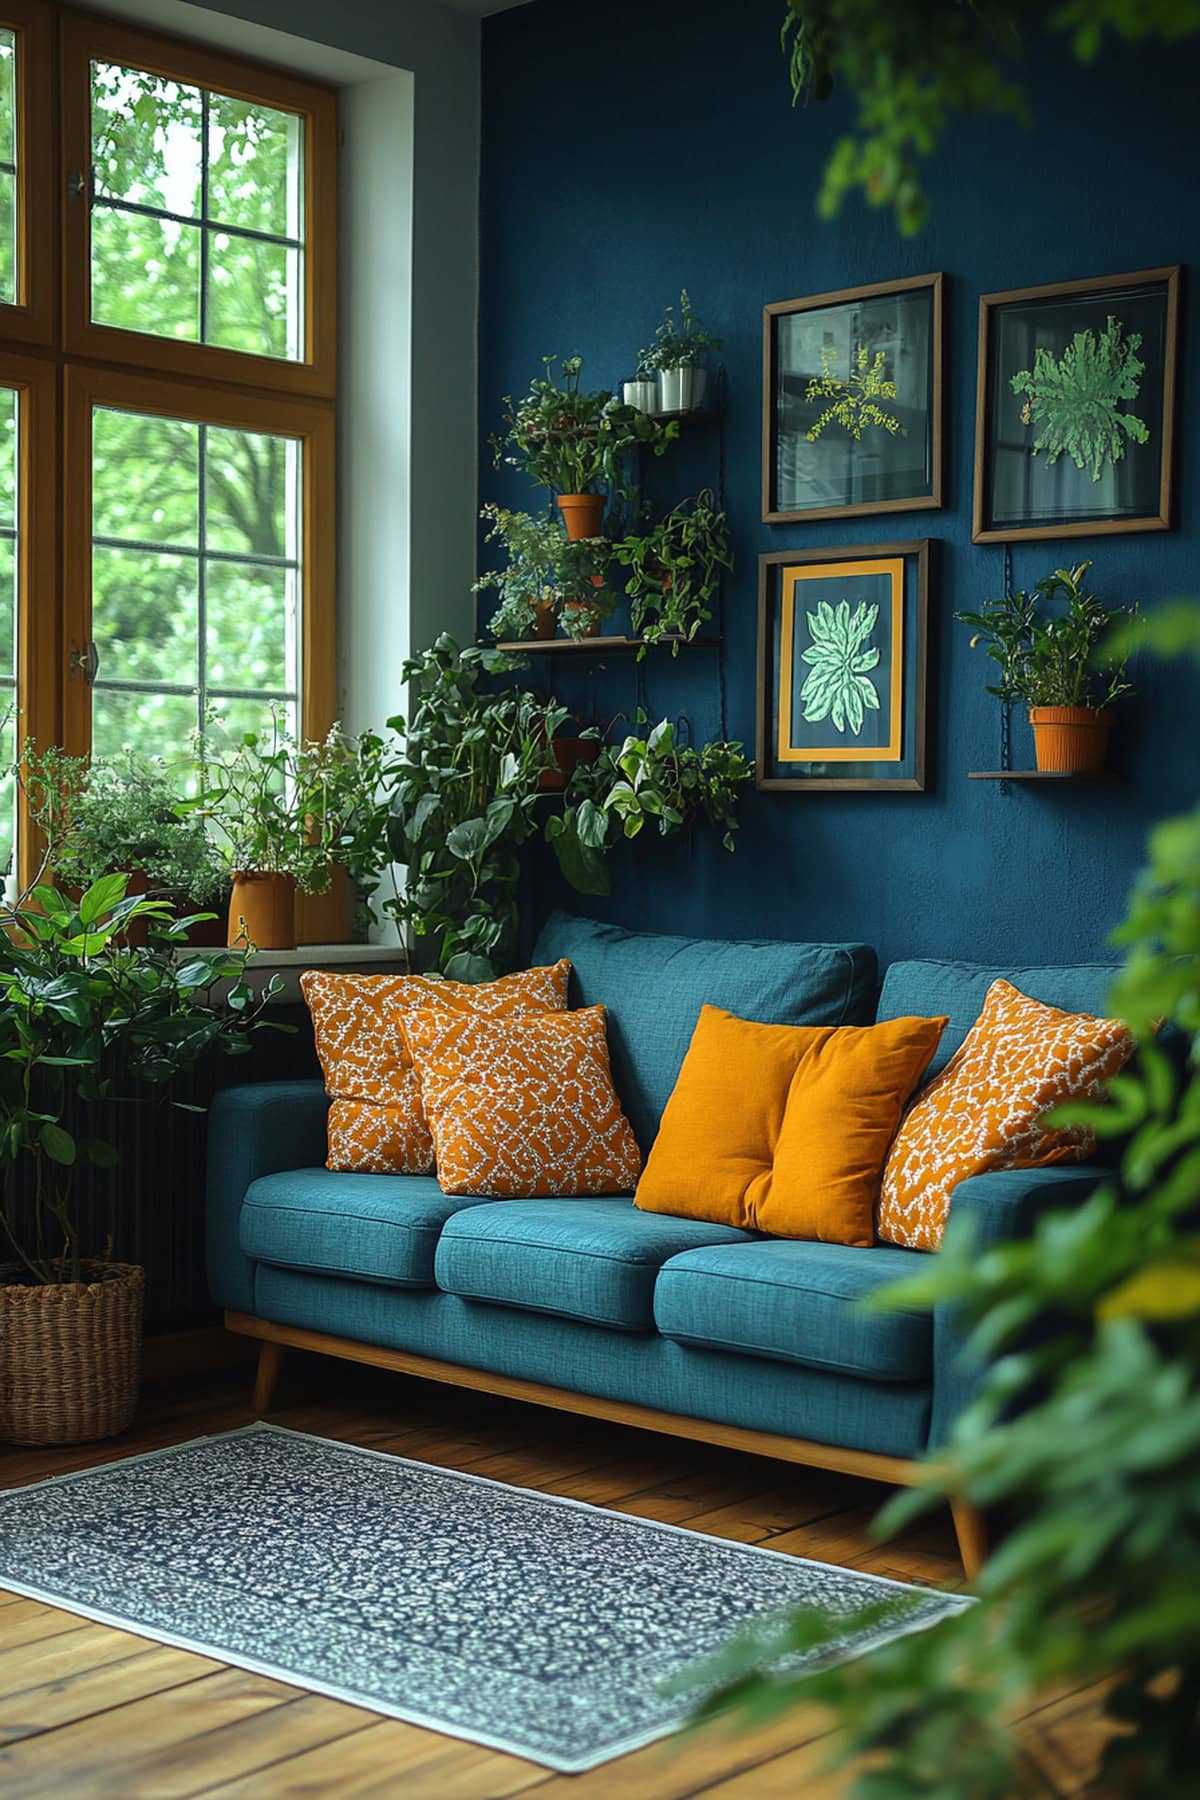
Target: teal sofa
{"x":702,"y":1330}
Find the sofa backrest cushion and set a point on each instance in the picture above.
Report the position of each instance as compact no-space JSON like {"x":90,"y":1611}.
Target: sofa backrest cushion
{"x":959,"y":990}
{"x":654,"y":987}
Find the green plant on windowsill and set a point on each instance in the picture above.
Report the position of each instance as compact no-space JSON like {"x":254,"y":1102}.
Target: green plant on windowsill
{"x":1049,"y":658}
{"x":548,"y":576}
{"x":644,"y":780}
{"x":1087,"y":1437}
{"x":461,"y":793}
{"x":573,"y":440}
{"x":674,"y":569}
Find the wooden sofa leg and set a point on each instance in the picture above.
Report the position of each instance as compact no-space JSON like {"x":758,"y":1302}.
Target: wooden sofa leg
{"x":270,"y":1356}
{"x":970,"y":1528}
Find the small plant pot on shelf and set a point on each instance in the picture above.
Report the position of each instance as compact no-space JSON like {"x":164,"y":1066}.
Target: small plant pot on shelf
{"x":682,"y":389}
{"x":642,"y":394}
{"x":568,"y":753}
{"x":70,"y":1355}
{"x":583,"y":515}
{"x":1070,"y":740}
{"x":262,"y":911}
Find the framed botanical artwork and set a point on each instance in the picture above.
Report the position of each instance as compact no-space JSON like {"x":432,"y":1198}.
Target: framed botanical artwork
{"x":1075,"y":408}
{"x":841,"y":667}
{"x":852,"y":402}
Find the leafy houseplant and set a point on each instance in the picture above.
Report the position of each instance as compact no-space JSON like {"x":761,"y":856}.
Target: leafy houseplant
{"x":1087,"y":1432}
{"x":549,"y":578}
{"x":575,"y":442}
{"x":85,"y":1018}
{"x":1075,"y":399}
{"x":462,"y":796}
{"x":1048,"y":662}
{"x":679,"y":343}
{"x":652,"y":778}
{"x":675,"y":569}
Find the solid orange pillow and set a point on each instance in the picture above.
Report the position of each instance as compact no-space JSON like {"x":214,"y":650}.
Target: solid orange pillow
{"x":984,"y":1111}
{"x":784,"y":1128}
{"x":522,"y":1105}
{"x":376,"y":1122}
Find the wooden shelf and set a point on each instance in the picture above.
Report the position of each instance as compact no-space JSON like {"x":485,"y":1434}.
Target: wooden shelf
{"x":601,"y":646}
{"x":697,"y":415}
{"x":1038,"y":775}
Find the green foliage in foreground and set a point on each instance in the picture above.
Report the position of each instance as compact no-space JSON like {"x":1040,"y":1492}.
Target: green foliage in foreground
{"x":1100,"y":1575}
{"x":911,"y":64}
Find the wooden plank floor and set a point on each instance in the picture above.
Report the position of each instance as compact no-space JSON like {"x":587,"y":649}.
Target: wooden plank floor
{"x":90,"y":1711}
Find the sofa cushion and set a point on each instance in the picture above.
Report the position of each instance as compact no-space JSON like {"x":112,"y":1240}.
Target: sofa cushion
{"x":585,"y":1259}
{"x":800,"y":1303}
{"x":365,"y":1227}
{"x":655,"y":986}
{"x":959,"y":990}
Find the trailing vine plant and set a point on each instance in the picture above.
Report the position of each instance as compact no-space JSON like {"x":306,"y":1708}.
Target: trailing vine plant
{"x":674,"y":570}
{"x":1075,"y":399}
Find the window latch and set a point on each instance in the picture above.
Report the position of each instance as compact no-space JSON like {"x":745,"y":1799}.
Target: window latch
{"x":85,"y":662}
{"x":79,"y":186}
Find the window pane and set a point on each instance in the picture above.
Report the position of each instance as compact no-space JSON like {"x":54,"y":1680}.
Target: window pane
{"x":8,"y":168}
{"x":8,"y":791}
{"x":146,"y":274}
{"x":151,"y":724}
{"x":144,"y":616}
{"x":9,"y":415}
{"x":251,"y":626}
{"x":250,"y":493}
{"x":235,"y":718}
{"x":8,"y":615}
{"x":8,"y":237}
{"x":197,"y":214}
{"x":145,"y":478}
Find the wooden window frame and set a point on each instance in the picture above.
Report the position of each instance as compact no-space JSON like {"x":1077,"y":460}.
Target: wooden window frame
{"x":33,"y":318}
{"x":88,"y":35}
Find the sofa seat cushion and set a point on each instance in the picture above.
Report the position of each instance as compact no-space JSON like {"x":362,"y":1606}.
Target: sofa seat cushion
{"x":581,"y":1259}
{"x":365,"y":1227}
{"x":799,"y":1303}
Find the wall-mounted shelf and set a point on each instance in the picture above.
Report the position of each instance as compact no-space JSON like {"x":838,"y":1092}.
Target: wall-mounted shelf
{"x":1038,"y":775}
{"x":699,"y":415}
{"x":601,"y":646}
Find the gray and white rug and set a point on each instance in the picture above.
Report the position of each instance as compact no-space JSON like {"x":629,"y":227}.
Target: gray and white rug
{"x":536,"y":1625}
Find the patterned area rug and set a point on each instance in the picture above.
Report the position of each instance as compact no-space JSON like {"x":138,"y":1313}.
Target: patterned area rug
{"x":539,"y":1626}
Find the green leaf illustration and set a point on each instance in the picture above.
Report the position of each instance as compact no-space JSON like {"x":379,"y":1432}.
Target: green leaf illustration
{"x":838,"y":685}
{"x":855,"y":400}
{"x":1074,"y":399}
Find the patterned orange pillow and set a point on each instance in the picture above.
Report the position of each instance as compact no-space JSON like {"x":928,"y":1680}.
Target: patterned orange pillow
{"x":984,"y":1111}
{"x":522,"y":1106}
{"x":376,"y":1123}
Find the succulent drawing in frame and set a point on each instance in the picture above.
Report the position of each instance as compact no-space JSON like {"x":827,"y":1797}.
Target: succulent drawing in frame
{"x":852,"y":401}
{"x":841,"y":667}
{"x":1076,"y":394}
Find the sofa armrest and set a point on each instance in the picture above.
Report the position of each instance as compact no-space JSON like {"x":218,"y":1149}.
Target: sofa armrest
{"x":254,"y":1130}
{"x":996,"y":1208}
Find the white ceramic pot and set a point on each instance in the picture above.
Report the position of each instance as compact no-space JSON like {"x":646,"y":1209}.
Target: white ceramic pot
{"x":682,"y":389}
{"x":642,"y":394}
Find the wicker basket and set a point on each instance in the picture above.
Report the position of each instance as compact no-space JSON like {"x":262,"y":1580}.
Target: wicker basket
{"x":71,"y":1356}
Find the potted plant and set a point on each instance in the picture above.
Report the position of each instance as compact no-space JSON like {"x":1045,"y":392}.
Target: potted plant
{"x":127,"y":814}
{"x":679,"y":343}
{"x":550,"y":577}
{"x":462,"y":793}
{"x":646,"y":779}
{"x":675,"y":570}
{"x":287,"y":812}
{"x":1048,"y":662}
{"x":642,"y":391}
{"x":575,"y":442}
{"x":85,"y":1018}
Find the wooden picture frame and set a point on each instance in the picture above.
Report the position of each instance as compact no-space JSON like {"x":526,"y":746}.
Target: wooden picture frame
{"x":887,"y":579}
{"x":1031,"y":481}
{"x":842,"y":479}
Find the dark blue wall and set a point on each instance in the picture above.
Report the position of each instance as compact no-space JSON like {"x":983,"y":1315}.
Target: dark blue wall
{"x":636,"y":146}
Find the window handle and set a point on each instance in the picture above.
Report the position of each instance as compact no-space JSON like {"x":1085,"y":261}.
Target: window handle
{"x":85,"y":662}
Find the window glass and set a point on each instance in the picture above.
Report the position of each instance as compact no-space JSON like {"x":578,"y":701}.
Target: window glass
{"x":10,"y":422}
{"x":197,"y":214}
{"x":8,"y":168}
{"x":195,"y":580}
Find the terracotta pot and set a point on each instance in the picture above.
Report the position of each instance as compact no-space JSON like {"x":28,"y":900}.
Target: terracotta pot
{"x":207,"y":934}
{"x":70,"y":1355}
{"x":262,"y":911}
{"x":1070,"y":740}
{"x":583,"y":514}
{"x":568,"y":751}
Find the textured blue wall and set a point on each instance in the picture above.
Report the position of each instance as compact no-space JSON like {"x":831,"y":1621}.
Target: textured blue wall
{"x":637,"y":146}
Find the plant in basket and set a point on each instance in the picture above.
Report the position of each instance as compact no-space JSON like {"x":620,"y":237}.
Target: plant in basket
{"x":85,"y":1018}
{"x":1048,"y":645}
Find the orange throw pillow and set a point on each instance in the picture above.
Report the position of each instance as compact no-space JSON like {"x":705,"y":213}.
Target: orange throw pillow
{"x":376,"y":1122}
{"x":784,"y":1128}
{"x":522,"y":1106}
{"x":984,"y":1110}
